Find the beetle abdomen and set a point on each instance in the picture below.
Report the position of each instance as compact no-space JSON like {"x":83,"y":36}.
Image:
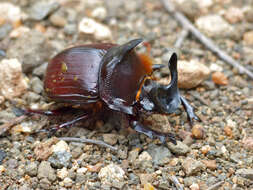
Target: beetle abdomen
{"x":72,"y":75}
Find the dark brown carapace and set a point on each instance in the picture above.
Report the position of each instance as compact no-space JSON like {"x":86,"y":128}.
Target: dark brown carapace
{"x":114,"y":77}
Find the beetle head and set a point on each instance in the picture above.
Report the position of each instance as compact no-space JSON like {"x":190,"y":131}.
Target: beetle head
{"x":162,"y":98}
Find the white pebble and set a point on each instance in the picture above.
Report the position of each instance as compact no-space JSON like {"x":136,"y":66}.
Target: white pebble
{"x":90,"y":26}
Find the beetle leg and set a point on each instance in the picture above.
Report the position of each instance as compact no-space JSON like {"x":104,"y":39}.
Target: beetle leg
{"x":67,"y":124}
{"x":189,"y":110}
{"x":137,"y":126}
{"x":56,"y":112}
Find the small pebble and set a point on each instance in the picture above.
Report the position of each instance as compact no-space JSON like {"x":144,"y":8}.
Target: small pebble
{"x":219,"y":78}
{"x":179,"y":149}
{"x":2,"y":156}
{"x":211,"y":164}
{"x":191,"y":73}
{"x":194,"y":186}
{"x":42,"y":9}
{"x":192,"y":166}
{"x":62,"y":173}
{"x":110,"y":138}
{"x":148,"y":186}
{"x":46,"y":171}
{"x":61,"y":146}
{"x":99,"y":13}
{"x":146,"y":178}
{"x":246,"y":173}
{"x":248,"y":38}
{"x":198,"y":132}
{"x":58,"y":20}
{"x":32,"y":169}
{"x":214,"y":26}
{"x":112,"y":174}
{"x":12,"y":81}
{"x":90,"y":26}
{"x":234,"y":15}
{"x":96,"y":168}
{"x":67,"y":182}
{"x":228,"y":131}
{"x":205,"y":149}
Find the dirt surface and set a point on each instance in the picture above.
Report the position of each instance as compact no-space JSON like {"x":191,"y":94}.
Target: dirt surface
{"x":216,"y":153}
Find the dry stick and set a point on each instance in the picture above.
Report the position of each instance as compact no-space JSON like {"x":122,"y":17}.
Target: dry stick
{"x":5,"y":127}
{"x":176,"y":182}
{"x":216,"y":185}
{"x":203,"y":39}
{"x":183,"y":34}
{"x":84,"y":140}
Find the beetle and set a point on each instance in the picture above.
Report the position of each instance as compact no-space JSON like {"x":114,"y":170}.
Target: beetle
{"x":106,"y":76}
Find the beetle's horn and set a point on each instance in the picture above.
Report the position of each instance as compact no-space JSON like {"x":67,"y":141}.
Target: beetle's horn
{"x":118,"y":52}
{"x":173,"y":71}
{"x":167,"y":98}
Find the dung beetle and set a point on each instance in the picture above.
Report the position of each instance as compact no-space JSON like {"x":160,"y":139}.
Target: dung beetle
{"x":105,"y":76}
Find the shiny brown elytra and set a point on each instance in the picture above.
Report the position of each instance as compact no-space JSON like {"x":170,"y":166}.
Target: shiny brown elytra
{"x":102,"y":77}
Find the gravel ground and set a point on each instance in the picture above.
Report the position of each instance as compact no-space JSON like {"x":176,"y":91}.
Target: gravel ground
{"x":216,"y":153}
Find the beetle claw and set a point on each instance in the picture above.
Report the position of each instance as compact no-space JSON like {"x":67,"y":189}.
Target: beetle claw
{"x":151,"y":133}
{"x":189,"y":110}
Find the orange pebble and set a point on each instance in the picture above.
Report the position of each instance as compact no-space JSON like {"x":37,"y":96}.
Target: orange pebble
{"x":219,"y":78}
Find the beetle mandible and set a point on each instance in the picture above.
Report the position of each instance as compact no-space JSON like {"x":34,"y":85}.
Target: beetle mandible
{"x":114,"y":77}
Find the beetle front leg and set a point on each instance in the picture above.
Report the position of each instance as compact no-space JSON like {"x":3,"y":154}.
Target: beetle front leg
{"x":137,"y":126}
{"x":189,"y":110}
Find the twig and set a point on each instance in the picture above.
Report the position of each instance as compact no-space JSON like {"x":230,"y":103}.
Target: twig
{"x":5,"y":127}
{"x":216,"y":185}
{"x":176,"y":182}
{"x":183,"y":34}
{"x":84,"y":140}
{"x":203,"y":39}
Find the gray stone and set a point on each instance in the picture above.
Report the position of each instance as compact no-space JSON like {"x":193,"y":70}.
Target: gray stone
{"x":160,"y":154}
{"x":133,"y":154}
{"x":12,"y":81}
{"x":46,"y":171}
{"x":37,"y":85}
{"x":37,"y":53}
{"x":6,"y":115}
{"x":110,"y":138}
{"x":179,"y":149}
{"x":70,"y":29}
{"x":246,"y":173}
{"x":4,"y":30}
{"x":31,"y":169}
{"x":80,"y":178}
{"x":214,"y":26}
{"x":60,"y":159}
{"x":31,"y":97}
{"x":76,"y":152}
{"x":12,"y":163}
{"x":112,"y":174}
{"x":133,"y":179}
{"x":45,"y":183}
{"x":192,"y":166}
{"x":2,"y":156}
{"x":42,"y":9}
{"x":58,"y":20}
{"x":40,"y":70}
